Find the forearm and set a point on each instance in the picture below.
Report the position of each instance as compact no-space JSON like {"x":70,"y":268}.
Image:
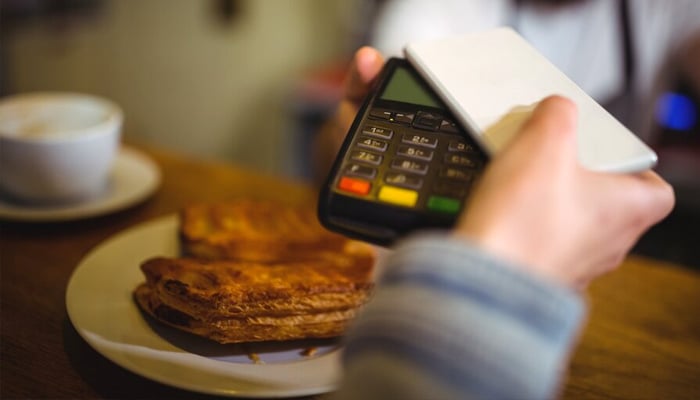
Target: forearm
{"x":451,"y":322}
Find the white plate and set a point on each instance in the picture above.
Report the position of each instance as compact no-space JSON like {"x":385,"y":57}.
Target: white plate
{"x":100,"y":306}
{"x":135,"y":177}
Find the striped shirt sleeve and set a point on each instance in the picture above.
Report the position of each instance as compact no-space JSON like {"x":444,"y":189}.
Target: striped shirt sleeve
{"x":449,"y":321}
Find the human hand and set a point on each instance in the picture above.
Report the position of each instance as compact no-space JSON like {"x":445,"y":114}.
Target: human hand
{"x":537,"y":207}
{"x":364,"y":68}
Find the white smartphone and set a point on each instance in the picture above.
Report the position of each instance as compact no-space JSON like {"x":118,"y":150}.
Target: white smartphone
{"x":492,"y":80}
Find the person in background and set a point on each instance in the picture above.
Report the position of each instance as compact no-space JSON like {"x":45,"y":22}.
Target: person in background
{"x":493,"y":308}
{"x":623,"y":53}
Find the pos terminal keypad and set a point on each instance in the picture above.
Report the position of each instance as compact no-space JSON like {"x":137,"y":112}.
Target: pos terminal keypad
{"x":404,"y":164}
{"x":416,"y":160}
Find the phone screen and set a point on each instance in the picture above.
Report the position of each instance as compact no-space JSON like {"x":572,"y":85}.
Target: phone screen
{"x":404,"y":88}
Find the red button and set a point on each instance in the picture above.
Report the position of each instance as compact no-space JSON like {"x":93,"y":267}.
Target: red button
{"x":353,"y":185}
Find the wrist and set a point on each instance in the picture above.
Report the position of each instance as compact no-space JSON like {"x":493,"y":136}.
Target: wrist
{"x":515,"y":251}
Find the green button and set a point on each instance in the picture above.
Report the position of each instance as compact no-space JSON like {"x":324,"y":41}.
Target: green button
{"x":444,"y":204}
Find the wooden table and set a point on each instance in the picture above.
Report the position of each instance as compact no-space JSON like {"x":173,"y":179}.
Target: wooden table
{"x":642,"y":341}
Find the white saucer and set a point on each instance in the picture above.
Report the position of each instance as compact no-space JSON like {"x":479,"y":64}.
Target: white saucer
{"x":135,"y":177}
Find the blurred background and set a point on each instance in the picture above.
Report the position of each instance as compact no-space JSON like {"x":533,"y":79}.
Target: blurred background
{"x":249,"y":81}
{"x":224,"y":79}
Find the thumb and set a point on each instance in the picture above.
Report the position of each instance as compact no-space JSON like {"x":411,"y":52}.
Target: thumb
{"x":551,"y":130}
{"x":364,"y":69}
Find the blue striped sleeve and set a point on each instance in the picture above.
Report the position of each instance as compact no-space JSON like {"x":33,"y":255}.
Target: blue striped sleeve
{"x":449,"y":321}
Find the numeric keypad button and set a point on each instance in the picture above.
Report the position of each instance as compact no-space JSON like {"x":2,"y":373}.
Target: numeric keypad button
{"x":457,"y":174}
{"x":377,"y":131}
{"x":416,"y":167}
{"x":459,"y":146}
{"x":420,"y":140}
{"x":415,"y":152}
{"x":461,"y":160}
{"x":373,"y":144}
{"x":360,"y":170}
{"x":367,"y":157}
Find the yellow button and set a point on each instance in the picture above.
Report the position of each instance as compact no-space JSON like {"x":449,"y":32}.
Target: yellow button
{"x":402,"y":197}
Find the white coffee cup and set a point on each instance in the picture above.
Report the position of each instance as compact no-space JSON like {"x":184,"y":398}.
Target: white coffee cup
{"x":57,"y":147}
